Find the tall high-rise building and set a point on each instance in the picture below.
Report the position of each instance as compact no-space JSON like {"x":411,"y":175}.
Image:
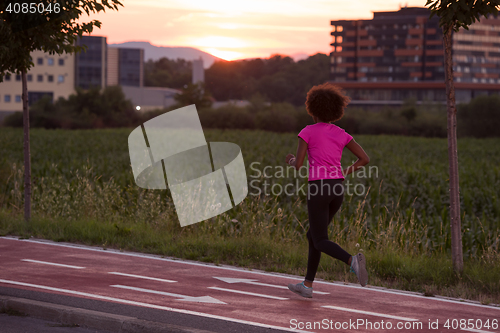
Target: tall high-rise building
{"x":399,"y":55}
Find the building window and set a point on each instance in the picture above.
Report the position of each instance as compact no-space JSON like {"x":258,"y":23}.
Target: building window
{"x":39,"y":78}
{"x":6,"y":98}
{"x":18,"y":98}
{"x":39,"y":61}
{"x":50,"y":78}
{"x":60,"y":78}
{"x":18,"y":77}
{"x":29,"y":77}
{"x":7,"y":77}
{"x":50,"y":61}
{"x":61,"y":62}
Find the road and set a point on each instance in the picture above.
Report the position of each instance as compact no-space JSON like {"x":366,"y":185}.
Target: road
{"x":220,"y":298}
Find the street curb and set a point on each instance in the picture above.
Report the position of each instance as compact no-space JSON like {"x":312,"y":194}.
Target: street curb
{"x":88,"y":318}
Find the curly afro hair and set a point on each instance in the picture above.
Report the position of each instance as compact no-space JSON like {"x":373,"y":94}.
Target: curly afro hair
{"x":326,"y":102}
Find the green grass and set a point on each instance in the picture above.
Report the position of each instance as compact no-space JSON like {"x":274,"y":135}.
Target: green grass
{"x":84,"y":192}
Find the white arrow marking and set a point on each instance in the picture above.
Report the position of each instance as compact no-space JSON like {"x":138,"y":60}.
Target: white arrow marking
{"x":248,"y":293}
{"x":249,"y":281}
{"x":142,"y":277}
{"x":202,"y":299}
{"x":52,"y":263}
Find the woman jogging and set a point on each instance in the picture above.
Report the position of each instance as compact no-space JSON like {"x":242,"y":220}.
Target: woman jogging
{"x":324,"y":143}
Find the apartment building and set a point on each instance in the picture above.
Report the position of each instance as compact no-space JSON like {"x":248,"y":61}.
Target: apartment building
{"x":52,"y":75}
{"x":58,"y":75}
{"x":399,"y":55}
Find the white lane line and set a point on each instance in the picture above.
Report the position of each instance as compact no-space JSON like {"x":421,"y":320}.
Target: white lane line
{"x":235,"y":269}
{"x":249,"y":281}
{"x":248,"y":293}
{"x":142,"y":277}
{"x":200,"y":299}
{"x":52,"y":263}
{"x":152,"y":306}
{"x":368,"y":313}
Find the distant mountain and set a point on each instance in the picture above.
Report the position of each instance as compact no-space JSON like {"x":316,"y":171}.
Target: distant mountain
{"x":156,"y":52}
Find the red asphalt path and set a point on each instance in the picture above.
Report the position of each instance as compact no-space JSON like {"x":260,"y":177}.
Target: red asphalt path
{"x":27,"y":264}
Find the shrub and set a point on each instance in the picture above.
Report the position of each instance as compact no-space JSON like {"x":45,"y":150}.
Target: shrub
{"x":227,"y":117}
{"x":480,"y":118}
{"x":14,"y":120}
{"x":92,"y":108}
{"x":280,"y":117}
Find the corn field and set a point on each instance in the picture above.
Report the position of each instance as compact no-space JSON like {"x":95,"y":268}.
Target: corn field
{"x":400,"y":202}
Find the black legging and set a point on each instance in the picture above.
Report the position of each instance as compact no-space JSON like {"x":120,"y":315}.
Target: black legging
{"x":324,"y":199}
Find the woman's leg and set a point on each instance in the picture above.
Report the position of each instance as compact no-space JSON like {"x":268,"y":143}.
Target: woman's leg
{"x":321,"y":207}
{"x":341,"y":254}
{"x":312,"y":260}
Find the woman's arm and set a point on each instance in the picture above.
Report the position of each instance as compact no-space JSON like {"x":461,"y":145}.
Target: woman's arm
{"x":301,"y":154}
{"x":363,"y":158}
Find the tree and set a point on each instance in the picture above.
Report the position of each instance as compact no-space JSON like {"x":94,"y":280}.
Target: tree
{"x":169,"y":73}
{"x":453,"y":15}
{"x":51,"y":27}
{"x":194,"y":94}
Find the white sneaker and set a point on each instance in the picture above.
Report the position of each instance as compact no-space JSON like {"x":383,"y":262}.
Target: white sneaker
{"x":358,"y":267}
{"x":301,"y":290}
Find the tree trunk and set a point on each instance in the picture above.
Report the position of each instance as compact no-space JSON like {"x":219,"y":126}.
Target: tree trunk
{"x":456,"y":233}
{"x":27,"y":155}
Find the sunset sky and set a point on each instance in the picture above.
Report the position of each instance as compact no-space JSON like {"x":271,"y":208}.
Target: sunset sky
{"x":237,"y":29}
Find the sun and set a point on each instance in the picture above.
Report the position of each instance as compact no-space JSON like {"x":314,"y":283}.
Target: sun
{"x":226,"y":55}
{"x":227,"y":48}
